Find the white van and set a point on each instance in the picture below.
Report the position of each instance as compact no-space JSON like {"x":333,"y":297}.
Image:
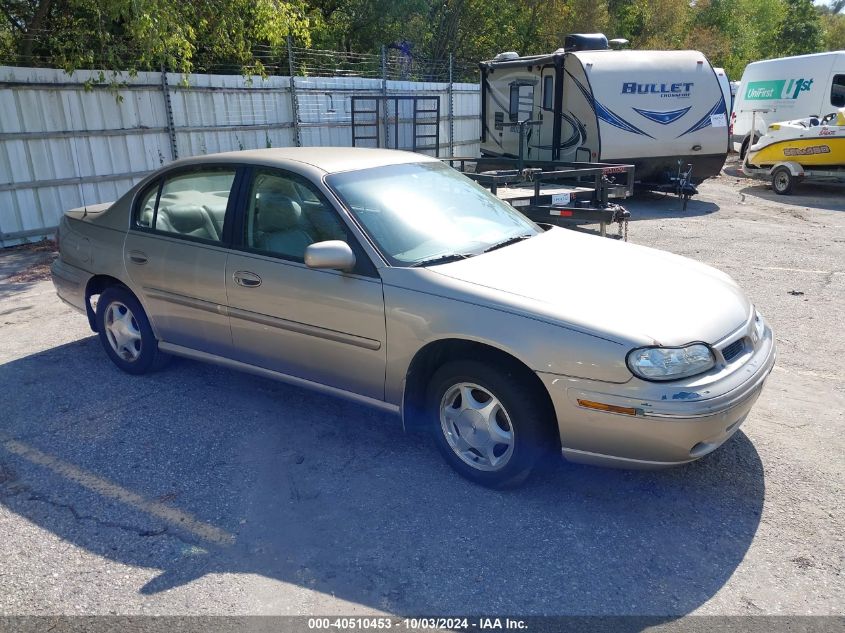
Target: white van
{"x":785,"y":89}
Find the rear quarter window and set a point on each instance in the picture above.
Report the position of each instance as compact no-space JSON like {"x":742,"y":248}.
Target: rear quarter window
{"x":145,"y":211}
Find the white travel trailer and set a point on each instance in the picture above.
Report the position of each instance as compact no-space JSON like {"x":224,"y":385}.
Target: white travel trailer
{"x":786,"y":89}
{"x":659,"y":110}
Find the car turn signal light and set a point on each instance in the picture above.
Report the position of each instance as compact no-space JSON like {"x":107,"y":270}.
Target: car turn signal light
{"x":608,"y":408}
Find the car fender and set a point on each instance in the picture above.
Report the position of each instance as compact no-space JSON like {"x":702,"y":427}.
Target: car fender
{"x":415,"y":319}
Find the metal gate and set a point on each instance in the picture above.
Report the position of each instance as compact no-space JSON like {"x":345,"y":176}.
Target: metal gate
{"x":396,"y":122}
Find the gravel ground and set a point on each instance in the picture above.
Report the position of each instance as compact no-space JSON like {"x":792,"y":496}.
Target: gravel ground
{"x":202,"y":490}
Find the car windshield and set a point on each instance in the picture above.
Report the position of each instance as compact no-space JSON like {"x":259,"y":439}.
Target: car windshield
{"x":422,"y":213}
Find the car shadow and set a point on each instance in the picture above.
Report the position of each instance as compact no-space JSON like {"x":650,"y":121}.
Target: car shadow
{"x":198,"y":469}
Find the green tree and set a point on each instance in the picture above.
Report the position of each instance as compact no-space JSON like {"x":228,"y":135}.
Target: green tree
{"x":657,"y":24}
{"x":362,"y":26}
{"x":801,"y":29}
{"x":143,"y":34}
{"x":247,"y":35}
{"x":834,"y":32}
{"x":734,"y":32}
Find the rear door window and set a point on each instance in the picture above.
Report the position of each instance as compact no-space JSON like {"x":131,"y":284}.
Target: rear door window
{"x":189,"y":204}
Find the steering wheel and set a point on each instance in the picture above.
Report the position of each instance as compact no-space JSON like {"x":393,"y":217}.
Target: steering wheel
{"x":828,"y":118}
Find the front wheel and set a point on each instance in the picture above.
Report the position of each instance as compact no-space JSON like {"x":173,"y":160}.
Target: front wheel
{"x":488,"y":423}
{"x":125,"y":332}
{"x":782,"y":181}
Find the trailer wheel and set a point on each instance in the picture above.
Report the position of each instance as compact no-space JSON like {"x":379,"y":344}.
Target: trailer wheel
{"x":782,"y":181}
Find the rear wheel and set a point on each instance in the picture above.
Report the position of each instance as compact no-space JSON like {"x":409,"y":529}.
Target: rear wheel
{"x":782,"y":181}
{"x":489,"y":424}
{"x":125,"y":332}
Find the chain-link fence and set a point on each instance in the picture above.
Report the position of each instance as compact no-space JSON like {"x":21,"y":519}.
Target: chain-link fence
{"x":391,"y":64}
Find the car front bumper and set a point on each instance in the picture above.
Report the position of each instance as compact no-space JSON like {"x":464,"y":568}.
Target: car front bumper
{"x":674,"y":423}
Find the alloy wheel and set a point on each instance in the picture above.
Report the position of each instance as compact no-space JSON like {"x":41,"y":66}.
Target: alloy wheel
{"x":122,"y":331}
{"x":477,"y":427}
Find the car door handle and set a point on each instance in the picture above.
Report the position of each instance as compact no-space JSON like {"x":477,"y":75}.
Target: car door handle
{"x":138,"y":257}
{"x":246,"y":279}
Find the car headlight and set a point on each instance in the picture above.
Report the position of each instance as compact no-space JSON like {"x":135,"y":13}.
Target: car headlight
{"x":670,"y":363}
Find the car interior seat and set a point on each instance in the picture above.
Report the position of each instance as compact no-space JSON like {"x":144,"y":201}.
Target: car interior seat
{"x":186,"y":219}
{"x":215,"y":206}
{"x":279,"y":225}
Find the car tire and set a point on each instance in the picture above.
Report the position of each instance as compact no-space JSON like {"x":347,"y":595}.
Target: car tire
{"x":125,"y":332}
{"x":782,"y":181}
{"x":470,"y":405}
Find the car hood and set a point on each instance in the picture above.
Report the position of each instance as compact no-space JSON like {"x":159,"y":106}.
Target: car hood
{"x":613,"y":289}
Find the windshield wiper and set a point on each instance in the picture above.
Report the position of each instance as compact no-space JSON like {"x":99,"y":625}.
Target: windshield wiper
{"x":507,"y":242}
{"x":442,"y":259}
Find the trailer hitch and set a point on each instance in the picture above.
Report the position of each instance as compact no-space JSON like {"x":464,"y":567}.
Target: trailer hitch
{"x":621,"y":217}
{"x":684,"y":187}
{"x":528,"y":173}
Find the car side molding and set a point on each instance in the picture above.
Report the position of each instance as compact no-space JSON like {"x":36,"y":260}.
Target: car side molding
{"x":193,"y":354}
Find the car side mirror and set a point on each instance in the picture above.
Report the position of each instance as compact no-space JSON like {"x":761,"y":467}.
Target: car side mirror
{"x":331,"y":255}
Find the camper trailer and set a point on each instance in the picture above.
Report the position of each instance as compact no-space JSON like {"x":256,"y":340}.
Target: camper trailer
{"x":657,"y":110}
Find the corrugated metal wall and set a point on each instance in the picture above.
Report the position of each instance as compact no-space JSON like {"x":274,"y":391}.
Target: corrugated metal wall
{"x":66,"y":141}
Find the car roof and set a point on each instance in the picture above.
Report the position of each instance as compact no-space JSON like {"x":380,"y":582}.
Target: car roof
{"x":327,"y":159}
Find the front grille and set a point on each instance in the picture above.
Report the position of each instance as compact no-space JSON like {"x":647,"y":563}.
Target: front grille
{"x":733,"y":350}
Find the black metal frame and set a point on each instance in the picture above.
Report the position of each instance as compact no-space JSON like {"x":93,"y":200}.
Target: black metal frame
{"x":679,"y":184}
{"x":501,"y":172}
{"x":382,"y":101}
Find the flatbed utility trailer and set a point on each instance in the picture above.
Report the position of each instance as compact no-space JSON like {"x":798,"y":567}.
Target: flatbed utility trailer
{"x":562,"y":194}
